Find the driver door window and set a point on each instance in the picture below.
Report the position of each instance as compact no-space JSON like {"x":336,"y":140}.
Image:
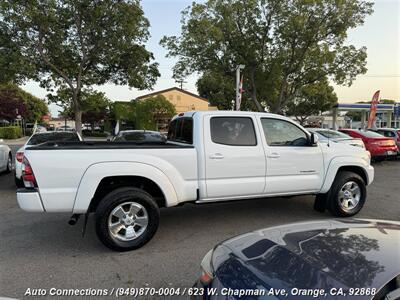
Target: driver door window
{"x":292,"y":163}
{"x":282,"y":133}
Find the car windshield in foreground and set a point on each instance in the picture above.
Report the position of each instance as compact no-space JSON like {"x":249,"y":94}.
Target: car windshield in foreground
{"x":141,"y":137}
{"x":41,"y":138}
{"x":332,"y":134}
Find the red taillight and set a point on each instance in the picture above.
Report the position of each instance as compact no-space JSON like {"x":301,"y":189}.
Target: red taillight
{"x":27,"y":175}
{"x":19,"y":156}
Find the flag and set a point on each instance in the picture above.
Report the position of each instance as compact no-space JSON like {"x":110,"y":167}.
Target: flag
{"x":241,"y":90}
{"x":372,"y":111}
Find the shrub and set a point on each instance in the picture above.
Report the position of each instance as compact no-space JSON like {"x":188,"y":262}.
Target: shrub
{"x":10,"y":132}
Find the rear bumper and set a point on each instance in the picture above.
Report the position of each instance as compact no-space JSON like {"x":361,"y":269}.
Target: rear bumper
{"x":384,"y":152}
{"x":29,"y":200}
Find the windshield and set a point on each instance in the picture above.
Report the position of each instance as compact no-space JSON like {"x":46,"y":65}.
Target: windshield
{"x":370,"y":134}
{"x":332,"y":134}
{"x":140,"y":137}
{"x":41,"y":138}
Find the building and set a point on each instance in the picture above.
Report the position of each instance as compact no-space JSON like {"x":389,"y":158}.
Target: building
{"x":387,"y":115}
{"x":182,"y":100}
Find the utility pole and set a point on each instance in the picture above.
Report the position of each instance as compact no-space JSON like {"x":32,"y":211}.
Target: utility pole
{"x":238,"y":92}
{"x":181,"y":82}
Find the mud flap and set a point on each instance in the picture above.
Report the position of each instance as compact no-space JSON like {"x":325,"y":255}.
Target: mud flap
{"x":320,"y":202}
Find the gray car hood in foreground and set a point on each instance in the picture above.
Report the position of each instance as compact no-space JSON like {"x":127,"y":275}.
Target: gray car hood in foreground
{"x":321,"y":254}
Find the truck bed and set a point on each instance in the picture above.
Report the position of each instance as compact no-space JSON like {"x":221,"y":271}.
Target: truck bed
{"x":62,"y":168}
{"x":106,"y":145}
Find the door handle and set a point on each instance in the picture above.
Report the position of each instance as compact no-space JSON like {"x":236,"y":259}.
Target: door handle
{"x":274,"y":155}
{"x":216,"y":156}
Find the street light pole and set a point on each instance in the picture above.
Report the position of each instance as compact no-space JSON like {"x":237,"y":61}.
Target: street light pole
{"x":238,"y":95}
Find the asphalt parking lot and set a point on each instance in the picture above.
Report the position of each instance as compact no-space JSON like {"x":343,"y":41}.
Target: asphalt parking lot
{"x":43,"y":251}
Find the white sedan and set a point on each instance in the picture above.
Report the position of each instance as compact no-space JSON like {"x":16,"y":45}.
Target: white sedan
{"x":328,"y":135}
{"x":5,"y":157}
{"x":37,"y":139}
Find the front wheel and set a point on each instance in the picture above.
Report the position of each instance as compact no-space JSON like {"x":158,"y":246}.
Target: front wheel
{"x":126,"y":219}
{"x":347,"y":195}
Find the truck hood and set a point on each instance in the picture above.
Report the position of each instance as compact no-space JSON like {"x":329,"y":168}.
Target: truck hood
{"x":320,"y":254}
{"x":344,"y":148}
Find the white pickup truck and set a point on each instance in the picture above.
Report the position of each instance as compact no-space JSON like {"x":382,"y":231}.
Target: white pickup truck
{"x":209,"y":156}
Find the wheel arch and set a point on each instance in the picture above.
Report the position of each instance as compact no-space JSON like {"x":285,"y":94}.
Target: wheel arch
{"x":357,"y":166}
{"x":101,"y":178}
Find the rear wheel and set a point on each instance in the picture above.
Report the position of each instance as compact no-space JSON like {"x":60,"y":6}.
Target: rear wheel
{"x":9,"y":163}
{"x":126,"y":219}
{"x":347,"y":195}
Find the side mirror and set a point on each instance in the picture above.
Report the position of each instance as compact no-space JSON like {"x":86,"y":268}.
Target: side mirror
{"x":314,"y":139}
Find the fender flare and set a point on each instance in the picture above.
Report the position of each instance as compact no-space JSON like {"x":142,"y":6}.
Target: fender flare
{"x":96,"y":172}
{"x":343,"y":161}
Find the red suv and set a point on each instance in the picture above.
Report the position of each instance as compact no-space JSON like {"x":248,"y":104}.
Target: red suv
{"x":378,"y":145}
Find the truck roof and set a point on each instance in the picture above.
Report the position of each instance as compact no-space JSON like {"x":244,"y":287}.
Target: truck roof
{"x":230,"y":113}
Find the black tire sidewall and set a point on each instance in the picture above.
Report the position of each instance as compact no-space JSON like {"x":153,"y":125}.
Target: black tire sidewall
{"x":19,"y":183}
{"x":115,"y":198}
{"x":8,"y":170}
{"x":333,"y":203}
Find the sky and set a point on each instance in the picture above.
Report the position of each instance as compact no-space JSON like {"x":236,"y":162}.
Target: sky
{"x":380,"y":34}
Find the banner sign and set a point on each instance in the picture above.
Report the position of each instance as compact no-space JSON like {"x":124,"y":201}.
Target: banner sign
{"x":372,"y":111}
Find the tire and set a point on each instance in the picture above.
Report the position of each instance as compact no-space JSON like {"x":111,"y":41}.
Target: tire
{"x":9,"y":163}
{"x":342,"y":193}
{"x":121,"y":219}
{"x":19,"y":183}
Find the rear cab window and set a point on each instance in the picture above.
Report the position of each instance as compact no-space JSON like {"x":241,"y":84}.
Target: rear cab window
{"x":180,"y":130}
{"x":233,"y":131}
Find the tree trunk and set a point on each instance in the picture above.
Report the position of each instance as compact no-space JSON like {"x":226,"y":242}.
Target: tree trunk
{"x":254,"y":91}
{"x":78,"y":121}
{"x":278,"y":108}
{"x":77,"y":111}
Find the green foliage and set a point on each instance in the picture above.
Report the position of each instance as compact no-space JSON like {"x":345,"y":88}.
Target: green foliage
{"x":284,"y":45}
{"x":312,"y":100}
{"x":95,"y":106}
{"x":10,"y":132}
{"x":75,"y":44}
{"x":144,"y":113}
{"x":151,"y":110}
{"x":123,"y":110}
{"x":354,"y":115}
{"x":29,"y":107}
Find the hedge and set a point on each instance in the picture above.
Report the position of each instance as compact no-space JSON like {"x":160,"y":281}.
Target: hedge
{"x":10,"y":132}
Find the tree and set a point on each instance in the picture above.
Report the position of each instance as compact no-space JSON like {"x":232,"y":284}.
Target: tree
{"x":284,"y":45}
{"x":78,"y":43}
{"x":147,"y":113}
{"x":312,"y":100}
{"x":10,"y":104}
{"x":220,"y":91}
{"x":95,"y":105}
{"x":150,"y":112}
{"x":13,"y":99}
